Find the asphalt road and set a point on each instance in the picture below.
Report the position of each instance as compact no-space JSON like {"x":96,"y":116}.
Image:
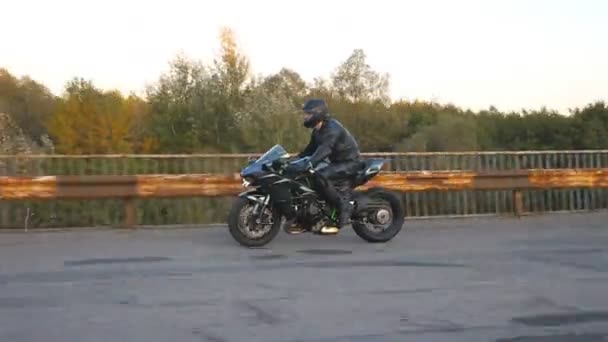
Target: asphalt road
{"x":536,"y":279}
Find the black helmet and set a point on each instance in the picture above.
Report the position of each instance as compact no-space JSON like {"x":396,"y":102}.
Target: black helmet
{"x":319,"y":110}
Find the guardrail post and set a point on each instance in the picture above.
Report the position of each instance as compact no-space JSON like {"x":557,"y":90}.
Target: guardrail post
{"x":130,"y":212}
{"x":518,"y":202}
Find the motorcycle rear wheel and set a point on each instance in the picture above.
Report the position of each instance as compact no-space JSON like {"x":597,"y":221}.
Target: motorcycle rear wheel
{"x":386,"y":217}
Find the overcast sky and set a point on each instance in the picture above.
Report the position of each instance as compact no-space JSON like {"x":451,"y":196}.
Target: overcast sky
{"x":474,"y":53}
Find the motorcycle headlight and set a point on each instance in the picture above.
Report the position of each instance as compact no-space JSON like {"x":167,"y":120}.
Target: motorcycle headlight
{"x":245,"y":183}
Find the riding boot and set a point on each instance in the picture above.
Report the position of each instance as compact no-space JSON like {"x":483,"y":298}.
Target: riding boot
{"x":346,"y":210}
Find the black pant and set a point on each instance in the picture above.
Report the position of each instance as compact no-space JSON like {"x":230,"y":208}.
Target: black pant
{"x":333,"y":182}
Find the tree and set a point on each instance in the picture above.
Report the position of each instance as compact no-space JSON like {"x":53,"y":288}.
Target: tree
{"x":232,"y":67}
{"x":591,"y":126}
{"x":270,"y":117}
{"x":90,"y":121}
{"x":12,"y":138}
{"x":226,"y":91}
{"x":139,"y":111}
{"x":174,"y":119}
{"x":193,"y":106}
{"x":287,"y":82}
{"x":28,"y":103}
{"x":355,"y":80}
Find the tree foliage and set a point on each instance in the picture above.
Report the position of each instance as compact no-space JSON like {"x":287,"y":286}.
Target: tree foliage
{"x":28,"y":103}
{"x":355,"y":80}
{"x":221,"y":107}
{"x":91,"y":121}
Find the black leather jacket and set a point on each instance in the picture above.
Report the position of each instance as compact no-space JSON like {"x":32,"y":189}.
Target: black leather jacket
{"x":334,"y":141}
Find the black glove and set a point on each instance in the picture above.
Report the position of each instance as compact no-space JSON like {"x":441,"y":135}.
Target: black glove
{"x":279,"y":164}
{"x":300,"y":165}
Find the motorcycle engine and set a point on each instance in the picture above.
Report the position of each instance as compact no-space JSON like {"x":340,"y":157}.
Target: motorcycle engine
{"x":311,"y":215}
{"x":313,"y":209}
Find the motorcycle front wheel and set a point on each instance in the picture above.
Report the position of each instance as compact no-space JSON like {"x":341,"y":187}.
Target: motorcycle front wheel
{"x":251,"y":229}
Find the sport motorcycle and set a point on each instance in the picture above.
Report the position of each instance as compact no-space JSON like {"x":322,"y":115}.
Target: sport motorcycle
{"x":254,"y":221}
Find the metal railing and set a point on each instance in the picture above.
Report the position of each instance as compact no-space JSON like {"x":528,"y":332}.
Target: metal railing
{"x":156,"y":211}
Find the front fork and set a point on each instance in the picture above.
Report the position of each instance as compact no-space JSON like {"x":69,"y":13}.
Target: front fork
{"x":259,"y":208}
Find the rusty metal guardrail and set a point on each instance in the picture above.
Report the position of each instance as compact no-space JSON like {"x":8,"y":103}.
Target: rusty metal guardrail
{"x":202,"y":210}
{"x":131,"y":187}
{"x":129,"y":164}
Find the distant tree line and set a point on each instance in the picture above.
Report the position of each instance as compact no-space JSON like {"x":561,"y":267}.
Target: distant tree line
{"x":222,"y":107}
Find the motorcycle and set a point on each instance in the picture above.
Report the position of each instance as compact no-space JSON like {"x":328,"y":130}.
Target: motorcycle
{"x":253,"y":221}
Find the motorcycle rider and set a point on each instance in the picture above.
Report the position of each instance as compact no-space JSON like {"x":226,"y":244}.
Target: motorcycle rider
{"x":331,"y":141}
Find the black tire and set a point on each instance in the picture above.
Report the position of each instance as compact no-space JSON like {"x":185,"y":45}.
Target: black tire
{"x":238,"y":206}
{"x":397,"y":216}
